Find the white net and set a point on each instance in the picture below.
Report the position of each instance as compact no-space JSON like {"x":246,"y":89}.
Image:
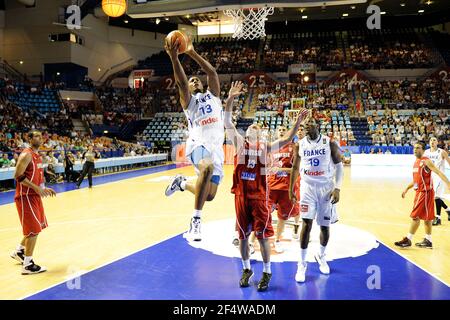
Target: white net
{"x":249,"y":23}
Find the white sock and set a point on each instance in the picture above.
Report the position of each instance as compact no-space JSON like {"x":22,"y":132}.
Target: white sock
{"x":20,"y":248}
{"x":183,"y":185}
{"x":428,"y":237}
{"x":303,"y":255}
{"x":266,"y":267}
{"x":197,"y":213}
{"x":27,"y":261}
{"x":322,"y":250}
{"x":246,"y":264}
{"x":410,"y":236}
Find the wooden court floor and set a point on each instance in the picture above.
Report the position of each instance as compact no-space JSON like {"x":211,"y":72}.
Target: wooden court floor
{"x":91,"y":228}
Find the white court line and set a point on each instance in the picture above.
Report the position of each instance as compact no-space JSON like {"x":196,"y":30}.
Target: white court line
{"x":103,"y":219}
{"x":77,"y":275}
{"x":404,"y":257}
{"x":426,"y":271}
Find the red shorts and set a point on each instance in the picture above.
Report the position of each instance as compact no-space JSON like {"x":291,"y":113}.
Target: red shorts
{"x":253,"y":215}
{"x":423,"y":206}
{"x":31,"y":214}
{"x":285,"y":207}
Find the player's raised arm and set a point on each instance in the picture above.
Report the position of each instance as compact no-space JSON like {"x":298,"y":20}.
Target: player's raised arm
{"x":211,"y":73}
{"x":178,"y":72}
{"x":294,"y":174}
{"x":337,"y":160}
{"x":236,"y":138}
{"x":441,"y":175}
{"x":445,"y":156}
{"x":287,"y":138}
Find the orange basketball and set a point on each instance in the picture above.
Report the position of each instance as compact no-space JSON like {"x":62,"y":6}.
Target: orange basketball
{"x":181,"y":37}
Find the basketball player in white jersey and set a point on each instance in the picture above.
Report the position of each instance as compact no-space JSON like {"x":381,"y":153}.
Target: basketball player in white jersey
{"x":439,"y":157}
{"x":319,"y":190}
{"x":204,"y":146}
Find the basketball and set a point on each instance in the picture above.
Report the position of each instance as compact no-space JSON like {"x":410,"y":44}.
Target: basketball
{"x":180,"y":36}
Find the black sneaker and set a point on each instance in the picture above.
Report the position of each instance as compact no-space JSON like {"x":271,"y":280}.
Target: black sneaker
{"x":263,"y":284}
{"x":18,"y":255}
{"x":437,"y":221}
{"x":448,"y":214}
{"x":404,"y":243}
{"x":425,"y":244}
{"x":247,"y":274}
{"x":32,"y":268}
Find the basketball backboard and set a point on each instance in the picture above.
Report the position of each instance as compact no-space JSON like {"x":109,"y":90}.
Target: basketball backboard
{"x":167,"y":8}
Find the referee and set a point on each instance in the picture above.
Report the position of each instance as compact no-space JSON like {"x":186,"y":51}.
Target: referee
{"x":89,"y":166}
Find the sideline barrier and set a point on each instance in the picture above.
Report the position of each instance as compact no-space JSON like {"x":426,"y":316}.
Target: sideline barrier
{"x":8,"y":173}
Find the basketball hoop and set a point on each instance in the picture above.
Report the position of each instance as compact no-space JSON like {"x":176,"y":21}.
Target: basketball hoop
{"x":249,"y":23}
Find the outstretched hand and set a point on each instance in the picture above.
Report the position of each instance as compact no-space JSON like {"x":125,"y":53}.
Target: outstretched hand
{"x":236,"y":89}
{"x":172,"y":48}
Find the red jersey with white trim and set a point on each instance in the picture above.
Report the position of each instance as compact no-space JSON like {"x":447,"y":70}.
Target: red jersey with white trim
{"x":34,"y":172}
{"x":422,"y":176}
{"x":249,"y":176}
{"x":281,"y":159}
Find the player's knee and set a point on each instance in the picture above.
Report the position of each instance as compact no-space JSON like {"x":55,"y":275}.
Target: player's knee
{"x":210,"y":197}
{"x":206,"y":166}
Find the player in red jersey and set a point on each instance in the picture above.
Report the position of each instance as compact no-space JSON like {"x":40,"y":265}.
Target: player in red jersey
{"x":279,"y":179}
{"x":30,"y":189}
{"x":424,"y":200}
{"x":250,"y":187}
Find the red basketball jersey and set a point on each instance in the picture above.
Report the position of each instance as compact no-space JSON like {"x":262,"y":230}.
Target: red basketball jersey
{"x":281,"y":159}
{"x":249,"y":177}
{"x":422,"y":176}
{"x":34,"y":172}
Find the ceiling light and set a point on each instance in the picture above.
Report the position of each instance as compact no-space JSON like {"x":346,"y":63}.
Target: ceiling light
{"x":421,"y":11}
{"x":353,"y":7}
{"x":167,"y":19}
{"x":304,"y":17}
{"x":126,"y":21}
{"x":157,"y":20}
{"x":383,"y":12}
{"x":345,"y":14}
{"x":21,"y":62}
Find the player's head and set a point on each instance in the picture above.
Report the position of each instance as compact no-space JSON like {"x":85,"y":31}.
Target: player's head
{"x":91,"y":147}
{"x":253,"y":133}
{"x":433,"y":142}
{"x":312,"y":128}
{"x":195,"y":85}
{"x":35,"y":138}
{"x":281,"y":131}
{"x":419,"y":149}
{"x":301,"y":133}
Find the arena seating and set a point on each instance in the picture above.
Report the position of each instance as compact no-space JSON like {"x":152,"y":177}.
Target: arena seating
{"x":166,"y":127}
{"x":44,"y":100}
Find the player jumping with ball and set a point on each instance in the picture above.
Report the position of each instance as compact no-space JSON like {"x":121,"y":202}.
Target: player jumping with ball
{"x":319,"y":190}
{"x":203,"y":110}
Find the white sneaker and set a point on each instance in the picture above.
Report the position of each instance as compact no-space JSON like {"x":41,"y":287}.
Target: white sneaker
{"x":278,"y":247}
{"x":301,"y":272}
{"x":252,"y":248}
{"x":174,"y":185}
{"x":32,"y":268}
{"x":323,"y":265}
{"x":194,"y":232}
{"x":18,"y":255}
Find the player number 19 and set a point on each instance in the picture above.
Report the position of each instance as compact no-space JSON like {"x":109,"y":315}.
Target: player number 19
{"x":314,"y":162}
